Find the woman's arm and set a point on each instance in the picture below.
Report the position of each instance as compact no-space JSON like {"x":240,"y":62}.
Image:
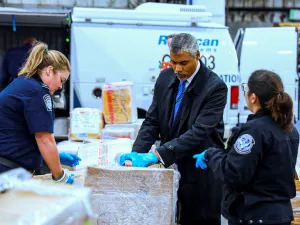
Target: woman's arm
{"x":48,"y":149}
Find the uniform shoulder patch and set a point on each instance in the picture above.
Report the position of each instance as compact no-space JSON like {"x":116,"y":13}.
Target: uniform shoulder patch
{"x":48,"y":102}
{"x":244,"y":144}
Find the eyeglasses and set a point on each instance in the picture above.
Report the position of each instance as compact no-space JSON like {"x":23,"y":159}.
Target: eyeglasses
{"x":245,"y":87}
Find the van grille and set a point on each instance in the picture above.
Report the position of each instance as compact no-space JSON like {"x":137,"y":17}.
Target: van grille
{"x":192,"y":10}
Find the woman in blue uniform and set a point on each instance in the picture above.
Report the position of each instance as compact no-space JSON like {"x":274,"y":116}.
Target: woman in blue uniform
{"x":27,"y":115}
{"x":258,"y":166}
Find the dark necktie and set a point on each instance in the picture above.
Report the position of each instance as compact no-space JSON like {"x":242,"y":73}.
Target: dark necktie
{"x":179,"y":96}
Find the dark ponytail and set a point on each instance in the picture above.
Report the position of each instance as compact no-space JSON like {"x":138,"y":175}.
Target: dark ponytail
{"x":268,"y":87}
{"x":281,"y":108}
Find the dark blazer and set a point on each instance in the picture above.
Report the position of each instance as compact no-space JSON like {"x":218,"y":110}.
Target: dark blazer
{"x":198,"y":125}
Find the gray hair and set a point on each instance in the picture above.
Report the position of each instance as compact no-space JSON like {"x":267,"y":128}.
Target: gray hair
{"x":184,"y":42}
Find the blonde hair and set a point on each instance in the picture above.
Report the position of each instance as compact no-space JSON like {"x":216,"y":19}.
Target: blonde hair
{"x":40,"y":57}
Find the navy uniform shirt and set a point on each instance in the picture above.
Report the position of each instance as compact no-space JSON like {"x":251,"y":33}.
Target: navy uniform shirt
{"x":25,"y":109}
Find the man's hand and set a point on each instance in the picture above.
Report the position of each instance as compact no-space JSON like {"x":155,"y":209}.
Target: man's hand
{"x":201,"y":160}
{"x":128,"y":156}
{"x":144,"y":159}
{"x":139,"y":159}
{"x":69,"y":159}
{"x":66,"y":177}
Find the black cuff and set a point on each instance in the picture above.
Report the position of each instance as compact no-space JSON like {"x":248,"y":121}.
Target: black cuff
{"x":167,"y":156}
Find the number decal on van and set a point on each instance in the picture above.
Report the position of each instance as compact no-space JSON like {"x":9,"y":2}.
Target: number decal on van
{"x":208,"y":61}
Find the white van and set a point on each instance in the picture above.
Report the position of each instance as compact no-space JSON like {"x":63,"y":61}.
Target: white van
{"x":109,"y":45}
{"x":275,"y":49}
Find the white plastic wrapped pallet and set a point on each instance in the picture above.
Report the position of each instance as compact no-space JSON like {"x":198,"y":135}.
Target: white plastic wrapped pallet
{"x":35,"y":202}
{"x":133,"y":195}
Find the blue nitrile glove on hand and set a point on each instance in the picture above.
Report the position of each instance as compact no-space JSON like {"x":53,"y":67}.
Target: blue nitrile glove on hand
{"x":139,"y":159}
{"x":127,"y":156}
{"x":69,"y":159}
{"x":144,"y":159}
{"x":65,"y":178}
{"x":201,"y":160}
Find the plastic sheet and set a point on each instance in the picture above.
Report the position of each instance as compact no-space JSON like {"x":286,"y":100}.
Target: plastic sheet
{"x":36,"y":203}
{"x":89,"y":154}
{"x":117,"y":132}
{"x":119,"y":104}
{"x":135,"y":125}
{"x":134,"y":196}
{"x":111,"y":150}
{"x":86,"y":123}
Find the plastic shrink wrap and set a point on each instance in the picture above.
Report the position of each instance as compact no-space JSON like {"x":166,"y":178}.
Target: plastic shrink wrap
{"x":86,"y":123}
{"x":110,"y":151}
{"x":37,"y":203}
{"x":117,"y":132}
{"x":135,"y":125}
{"x":102,"y":152}
{"x":133,"y":195}
{"x":119,"y":104}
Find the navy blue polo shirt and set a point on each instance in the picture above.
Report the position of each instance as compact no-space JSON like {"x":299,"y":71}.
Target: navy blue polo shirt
{"x":25,"y":108}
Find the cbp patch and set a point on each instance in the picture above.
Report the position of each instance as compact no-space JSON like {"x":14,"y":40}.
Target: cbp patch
{"x":48,"y":102}
{"x":244,"y":144}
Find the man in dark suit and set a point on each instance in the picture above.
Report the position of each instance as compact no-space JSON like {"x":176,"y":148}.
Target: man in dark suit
{"x":187,"y":113}
{"x":13,"y":61}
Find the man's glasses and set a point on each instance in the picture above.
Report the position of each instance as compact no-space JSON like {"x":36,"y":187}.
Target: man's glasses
{"x":245,"y":87}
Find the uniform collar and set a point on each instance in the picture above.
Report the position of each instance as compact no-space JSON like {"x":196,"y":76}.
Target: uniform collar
{"x":259,"y":113}
{"x":39,"y":80}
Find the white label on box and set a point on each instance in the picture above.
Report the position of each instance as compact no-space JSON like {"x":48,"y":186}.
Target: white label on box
{"x":88,"y":123}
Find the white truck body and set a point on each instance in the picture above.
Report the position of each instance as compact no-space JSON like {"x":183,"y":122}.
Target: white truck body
{"x":271,"y":48}
{"x":109,"y":45}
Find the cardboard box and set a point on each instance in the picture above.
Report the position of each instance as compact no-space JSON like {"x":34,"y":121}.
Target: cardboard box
{"x":119,"y":103}
{"x":133,"y":195}
{"x":86,"y":123}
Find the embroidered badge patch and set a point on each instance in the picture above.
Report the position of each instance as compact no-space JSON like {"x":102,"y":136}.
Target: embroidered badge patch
{"x":48,"y":102}
{"x":244,"y":144}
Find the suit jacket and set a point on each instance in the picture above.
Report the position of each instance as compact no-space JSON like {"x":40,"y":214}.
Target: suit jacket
{"x":198,"y":125}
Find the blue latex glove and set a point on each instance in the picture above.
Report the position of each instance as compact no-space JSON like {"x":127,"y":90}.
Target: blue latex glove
{"x":128,"y":156}
{"x":66,"y":178}
{"x":69,"y":159}
{"x":201,"y":160}
{"x":144,"y":159}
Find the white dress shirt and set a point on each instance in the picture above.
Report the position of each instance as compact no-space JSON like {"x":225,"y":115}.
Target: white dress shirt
{"x":190,"y":79}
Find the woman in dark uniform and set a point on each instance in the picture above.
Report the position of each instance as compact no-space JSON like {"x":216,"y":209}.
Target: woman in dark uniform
{"x":27,"y":115}
{"x":258,"y":166}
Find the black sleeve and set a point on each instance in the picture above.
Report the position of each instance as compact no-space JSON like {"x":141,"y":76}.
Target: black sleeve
{"x":205,"y":124}
{"x":149,"y":131}
{"x":237,"y":165}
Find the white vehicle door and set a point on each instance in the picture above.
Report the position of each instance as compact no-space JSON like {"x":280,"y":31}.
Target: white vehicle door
{"x":275,"y":49}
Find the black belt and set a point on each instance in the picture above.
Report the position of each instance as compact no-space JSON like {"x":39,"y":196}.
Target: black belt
{"x":12,"y":165}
